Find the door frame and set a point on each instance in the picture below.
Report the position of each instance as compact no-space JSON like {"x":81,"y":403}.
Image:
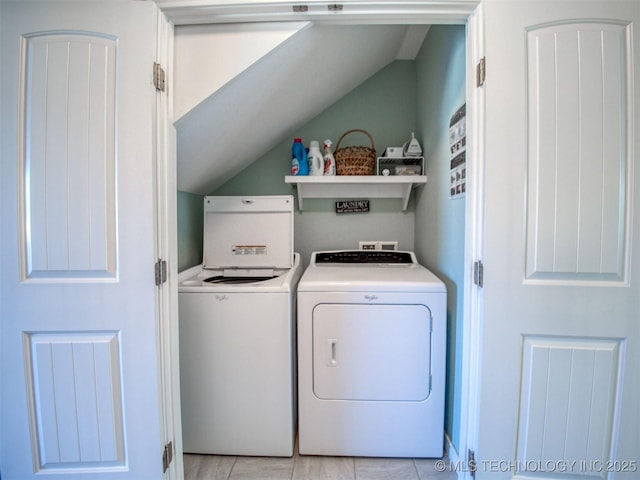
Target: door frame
{"x":474,"y":249}
{"x":465,"y":12}
{"x":166,"y":249}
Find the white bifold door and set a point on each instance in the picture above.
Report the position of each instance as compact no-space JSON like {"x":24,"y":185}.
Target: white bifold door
{"x":79,"y":368}
{"x":560,"y":383}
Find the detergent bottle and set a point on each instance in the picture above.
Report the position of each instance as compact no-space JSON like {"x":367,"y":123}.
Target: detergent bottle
{"x":299,"y":165}
{"x":316,"y":162}
{"x":329,"y":160}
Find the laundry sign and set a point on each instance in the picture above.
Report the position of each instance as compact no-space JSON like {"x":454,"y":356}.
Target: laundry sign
{"x":352,"y":206}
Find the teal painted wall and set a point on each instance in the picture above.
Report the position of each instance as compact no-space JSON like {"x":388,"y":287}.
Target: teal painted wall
{"x":385,"y":106}
{"x":190,"y":228}
{"x":439,"y":229}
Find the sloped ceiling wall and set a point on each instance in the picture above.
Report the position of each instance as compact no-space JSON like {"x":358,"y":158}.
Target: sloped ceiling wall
{"x":208,"y":56}
{"x":265,"y":104}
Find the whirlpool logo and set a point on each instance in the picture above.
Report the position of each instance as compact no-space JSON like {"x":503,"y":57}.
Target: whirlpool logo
{"x":371,"y":298}
{"x":221,"y":298}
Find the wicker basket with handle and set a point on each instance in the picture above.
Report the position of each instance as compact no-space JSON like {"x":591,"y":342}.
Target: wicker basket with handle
{"x":355,"y":160}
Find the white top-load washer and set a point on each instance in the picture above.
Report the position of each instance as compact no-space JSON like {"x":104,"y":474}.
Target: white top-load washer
{"x":237,"y":330}
{"x":371,"y":356}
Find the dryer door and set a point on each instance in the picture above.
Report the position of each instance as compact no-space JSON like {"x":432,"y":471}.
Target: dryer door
{"x":371,"y":352}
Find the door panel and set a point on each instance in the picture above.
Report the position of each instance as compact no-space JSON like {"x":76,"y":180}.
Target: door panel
{"x":579,"y":170}
{"x":371,"y":352}
{"x":68,"y":173}
{"x":561,"y":328}
{"x":568,"y":393}
{"x":76,"y":398}
{"x":80,"y":374}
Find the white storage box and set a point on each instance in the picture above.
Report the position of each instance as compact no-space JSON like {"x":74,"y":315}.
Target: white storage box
{"x":393,"y":152}
{"x":388,"y":166}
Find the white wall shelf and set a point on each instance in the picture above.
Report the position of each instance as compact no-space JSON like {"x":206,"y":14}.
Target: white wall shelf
{"x":395,"y":186}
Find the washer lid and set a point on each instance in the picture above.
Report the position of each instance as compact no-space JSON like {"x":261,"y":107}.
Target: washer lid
{"x":241,"y":280}
{"x":194,"y":280}
{"x":248,"y":232}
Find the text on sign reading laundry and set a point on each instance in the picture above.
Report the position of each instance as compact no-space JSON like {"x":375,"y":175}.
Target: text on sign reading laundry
{"x":352,"y":206}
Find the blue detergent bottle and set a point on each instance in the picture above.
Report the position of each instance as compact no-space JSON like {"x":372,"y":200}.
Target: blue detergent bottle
{"x":299,"y":165}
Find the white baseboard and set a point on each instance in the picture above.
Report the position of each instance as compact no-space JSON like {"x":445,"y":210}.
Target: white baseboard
{"x":450,"y":450}
{"x":454,"y":458}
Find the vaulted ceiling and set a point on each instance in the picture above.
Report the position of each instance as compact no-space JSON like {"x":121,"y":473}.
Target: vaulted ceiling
{"x":282,"y":90}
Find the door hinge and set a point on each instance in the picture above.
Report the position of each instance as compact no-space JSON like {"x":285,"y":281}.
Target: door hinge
{"x":161,"y":272}
{"x":158,"y":77}
{"x":471,"y":463}
{"x":167,"y":456}
{"x":478,"y":273}
{"x":480,"y":72}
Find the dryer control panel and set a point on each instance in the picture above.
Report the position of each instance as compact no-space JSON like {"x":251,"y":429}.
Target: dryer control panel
{"x":364,"y":256}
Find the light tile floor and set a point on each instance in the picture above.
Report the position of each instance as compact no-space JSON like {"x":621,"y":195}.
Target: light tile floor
{"x":303,"y":467}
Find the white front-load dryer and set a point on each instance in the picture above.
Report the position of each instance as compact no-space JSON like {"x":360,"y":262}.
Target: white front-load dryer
{"x":371,"y":356}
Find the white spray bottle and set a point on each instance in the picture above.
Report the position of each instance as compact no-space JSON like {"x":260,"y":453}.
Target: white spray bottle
{"x":329,"y":160}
